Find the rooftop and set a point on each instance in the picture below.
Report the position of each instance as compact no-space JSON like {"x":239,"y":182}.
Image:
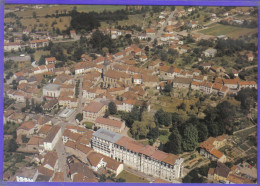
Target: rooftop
{"x":107,"y":135}
{"x":51,"y":135}
{"x":52,"y":87}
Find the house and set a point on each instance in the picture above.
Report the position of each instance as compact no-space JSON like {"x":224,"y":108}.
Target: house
{"x":216,"y":88}
{"x":93,"y":110}
{"x":110,"y":124}
{"x":112,"y":78}
{"x":231,"y":83}
{"x":115,"y":33}
{"x":83,"y":67}
{"x":143,"y":58}
{"x":221,"y":173}
{"x":150,"y":32}
{"x":44,"y":69}
{"x":180,"y":82}
{"x":50,"y":104}
{"x":27,"y":128}
{"x":8,"y":47}
{"x":73,"y":34}
{"x":118,"y":55}
{"x":206,"y":66}
{"x":250,"y":56}
{"x":137,"y":79}
{"x":206,"y":87}
{"x":34,"y":144}
{"x":154,"y":65}
{"x":142,"y":36}
{"x":99,"y":61}
{"x":210,"y":52}
{"x":235,"y":72}
{"x":51,"y":160}
{"x":209,"y":148}
{"x":58,"y":177}
{"x":195,"y":85}
{"x":80,"y":172}
{"x":68,"y":102}
{"x":39,"y":43}
{"x":98,"y":160}
{"x":249,"y":84}
{"x":50,"y":60}
{"x":223,"y":91}
{"x":51,"y":90}
{"x":52,"y":138}
{"x":26,"y":174}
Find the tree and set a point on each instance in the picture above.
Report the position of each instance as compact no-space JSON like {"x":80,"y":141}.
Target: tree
{"x":102,"y":178}
{"x":190,"y":138}
{"x":25,"y":37}
{"x":138,"y":130}
{"x":162,"y":118}
{"x":112,"y":108}
{"x":34,"y":15}
{"x":25,"y":139}
{"x":27,"y":103}
{"x":79,"y":117}
{"x":41,"y":60}
{"x":153,"y":133}
{"x":168,"y":88}
{"x":202,"y":132}
{"x":12,"y":145}
{"x":182,"y":106}
{"x":175,"y":142}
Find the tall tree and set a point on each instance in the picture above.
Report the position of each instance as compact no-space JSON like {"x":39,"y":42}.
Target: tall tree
{"x":190,"y":138}
{"x":202,"y":132}
{"x":112,"y":108}
{"x":175,"y":142}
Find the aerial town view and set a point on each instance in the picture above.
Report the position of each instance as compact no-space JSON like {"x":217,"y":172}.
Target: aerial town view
{"x":146,"y":94}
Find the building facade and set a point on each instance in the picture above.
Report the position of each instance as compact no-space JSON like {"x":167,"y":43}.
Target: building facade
{"x":143,"y":158}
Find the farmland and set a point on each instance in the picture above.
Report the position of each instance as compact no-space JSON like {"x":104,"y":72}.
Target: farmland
{"x":230,"y":31}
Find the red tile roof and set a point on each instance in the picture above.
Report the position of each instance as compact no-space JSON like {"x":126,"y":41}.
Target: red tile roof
{"x":94,"y":107}
{"x":109,"y":122}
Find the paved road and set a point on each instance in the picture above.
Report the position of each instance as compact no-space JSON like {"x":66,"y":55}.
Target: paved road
{"x":62,"y":163}
{"x":18,"y":58}
{"x":161,"y":30}
{"x":248,"y":67}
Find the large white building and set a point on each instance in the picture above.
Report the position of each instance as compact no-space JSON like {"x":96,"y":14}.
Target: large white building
{"x":52,"y":138}
{"x":144,"y":158}
{"x":51,"y":90}
{"x":26,"y":174}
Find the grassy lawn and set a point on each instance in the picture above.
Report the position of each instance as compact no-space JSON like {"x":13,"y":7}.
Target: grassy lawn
{"x":45,"y":10}
{"x":46,"y":23}
{"x":39,"y":53}
{"x":132,"y":20}
{"x":231,"y":31}
{"x":99,"y":8}
{"x":169,"y":104}
{"x":163,"y":138}
{"x":131,"y":178}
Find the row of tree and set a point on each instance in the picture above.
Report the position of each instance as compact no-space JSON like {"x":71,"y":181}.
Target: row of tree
{"x":186,"y":135}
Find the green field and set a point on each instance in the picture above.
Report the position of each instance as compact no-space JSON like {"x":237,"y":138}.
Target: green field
{"x":131,"y":178}
{"x":231,"y":31}
{"x":99,"y":8}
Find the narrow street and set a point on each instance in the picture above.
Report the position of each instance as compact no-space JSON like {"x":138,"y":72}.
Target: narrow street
{"x":160,"y":31}
{"x":62,"y":158}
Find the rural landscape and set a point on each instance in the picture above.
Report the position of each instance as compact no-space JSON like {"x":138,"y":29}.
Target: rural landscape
{"x":135,"y":94}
